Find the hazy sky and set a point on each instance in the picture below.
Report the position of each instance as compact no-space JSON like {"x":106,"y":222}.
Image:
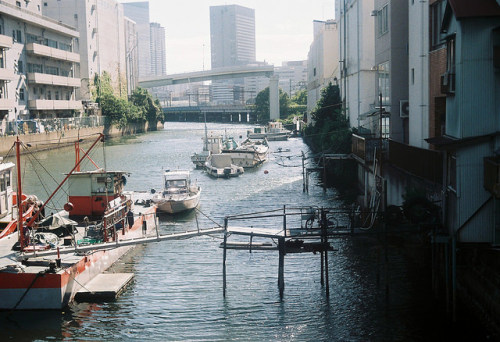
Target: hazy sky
{"x":283,"y":29}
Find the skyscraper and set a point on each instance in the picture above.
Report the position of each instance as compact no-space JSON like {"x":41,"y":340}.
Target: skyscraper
{"x":139,"y":12}
{"x":158,"y":63}
{"x":232,"y":41}
{"x":232,"y":35}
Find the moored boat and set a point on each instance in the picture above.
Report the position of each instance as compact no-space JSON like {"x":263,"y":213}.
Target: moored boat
{"x":274,"y":131}
{"x":249,"y":153}
{"x":179,"y":193}
{"x":221,"y":166}
{"x":211,"y":145}
{"x":28,"y":281}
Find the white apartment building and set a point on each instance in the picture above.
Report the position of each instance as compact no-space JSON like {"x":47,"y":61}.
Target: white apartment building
{"x":37,"y":64}
{"x":356,"y":27}
{"x":322,"y":60}
{"x":101,"y":44}
{"x":131,"y":55}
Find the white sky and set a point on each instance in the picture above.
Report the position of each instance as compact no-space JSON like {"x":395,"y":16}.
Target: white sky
{"x":283,"y":28}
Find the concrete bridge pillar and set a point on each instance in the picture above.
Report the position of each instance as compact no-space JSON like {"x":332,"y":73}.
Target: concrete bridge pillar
{"x":274,"y":99}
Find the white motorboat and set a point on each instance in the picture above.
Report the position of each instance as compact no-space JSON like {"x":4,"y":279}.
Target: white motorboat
{"x":274,"y":131}
{"x":178,"y":194}
{"x":249,"y":153}
{"x":212,"y":145}
{"x":221,"y":166}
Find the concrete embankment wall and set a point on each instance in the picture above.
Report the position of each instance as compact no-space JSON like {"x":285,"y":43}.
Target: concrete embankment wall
{"x":57,"y":139}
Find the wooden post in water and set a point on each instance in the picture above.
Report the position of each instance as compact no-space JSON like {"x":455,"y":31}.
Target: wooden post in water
{"x":322,"y":269}
{"x":224,"y":260}
{"x":281,"y":267}
{"x":324,"y":173}
{"x":324,"y":255}
{"x":303,"y":172}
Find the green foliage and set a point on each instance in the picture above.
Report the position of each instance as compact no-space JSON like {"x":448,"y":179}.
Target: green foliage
{"x":330,"y":130}
{"x":121,"y":112}
{"x":300,"y":97}
{"x":262,"y":107}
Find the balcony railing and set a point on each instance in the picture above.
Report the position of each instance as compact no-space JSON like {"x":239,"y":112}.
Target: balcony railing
{"x":5,"y":41}
{"x":39,"y":78}
{"x":54,"y":104}
{"x":364,"y":147}
{"x":6,"y":74}
{"x":32,"y":126}
{"x":424,"y":163}
{"x":47,"y":51}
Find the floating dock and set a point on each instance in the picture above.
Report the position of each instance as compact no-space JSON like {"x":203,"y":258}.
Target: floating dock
{"x":105,"y":286}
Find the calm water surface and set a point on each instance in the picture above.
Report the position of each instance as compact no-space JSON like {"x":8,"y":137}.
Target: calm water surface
{"x":177,"y":290}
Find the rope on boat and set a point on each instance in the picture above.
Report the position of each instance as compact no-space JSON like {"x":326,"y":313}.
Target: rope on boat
{"x":38,"y":275}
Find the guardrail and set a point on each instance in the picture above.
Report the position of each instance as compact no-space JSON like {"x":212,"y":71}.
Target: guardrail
{"x":31,"y":126}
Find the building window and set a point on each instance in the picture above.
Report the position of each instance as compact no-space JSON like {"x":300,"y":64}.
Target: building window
{"x":18,"y":3}
{"x":31,"y":38}
{"x":21,"y":94}
{"x":384,"y":86}
{"x":436,"y":17}
{"x":2,"y":58}
{"x":412,"y":75}
{"x":35,"y":67}
{"x":452,"y":172}
{"x":49,"y":95}
{"x":383,"y":20}
{"x":314,"y":72}
{"x":57,"y":94}
{"x":450,"y":55}
{"x":16,"y":35}
{"x":51,"y":70}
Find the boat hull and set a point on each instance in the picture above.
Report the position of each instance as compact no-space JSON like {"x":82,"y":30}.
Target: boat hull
{"x":175,"y":205}
{"x":44,"y":290}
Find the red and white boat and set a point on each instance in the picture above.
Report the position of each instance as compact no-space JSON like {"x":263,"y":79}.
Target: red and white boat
{"x":29,"y":281}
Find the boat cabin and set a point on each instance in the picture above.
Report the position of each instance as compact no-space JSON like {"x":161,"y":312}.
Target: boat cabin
{"x":176,"y":181}
{"x":90,"y":192}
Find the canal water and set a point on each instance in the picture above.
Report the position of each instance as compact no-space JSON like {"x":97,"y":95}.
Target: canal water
{"x":176,"y":294}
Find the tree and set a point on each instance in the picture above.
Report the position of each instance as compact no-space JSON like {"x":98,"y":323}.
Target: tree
{"x":300,"y":97}
{"x":150,"y":107}
{"x":262,"y":106}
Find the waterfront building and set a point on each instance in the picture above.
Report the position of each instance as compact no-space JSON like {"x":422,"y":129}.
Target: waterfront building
{"x":471,"y":141}
{"x":158,"y":55}
{"x":322,"y":60}
{"x":232,"y":42}
{"x":139,"y":13}
{"x":391,"y":65}
{"x":38,"y":65}
{"x":101,"y":44}
{"x":356,"y":27}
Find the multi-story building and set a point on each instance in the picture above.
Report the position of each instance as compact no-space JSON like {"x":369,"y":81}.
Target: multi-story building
{"x":322,"y":60}
{"x":357,"y":81}
{"x":292,"y":76}
{"x":37,"y":64}
{"x":158,"y":54}
{"x":139,"y":13}
{"x":391,"y":64}
{"x":101,"y":44}
{"x":232,"y":41}
{"x":131,"y":55}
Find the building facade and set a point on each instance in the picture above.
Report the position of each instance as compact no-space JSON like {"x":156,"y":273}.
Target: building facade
{"x":232,"y":42}
{"x":131,"y":54}
{"x":38,"y":76}
{"x":158,"y":52}
{"x":101,"y":44}
{"x":322,"y":60}
{"x":139,"y":13}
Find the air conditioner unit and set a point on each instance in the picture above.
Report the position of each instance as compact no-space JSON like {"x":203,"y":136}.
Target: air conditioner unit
{"x":404,"y":109}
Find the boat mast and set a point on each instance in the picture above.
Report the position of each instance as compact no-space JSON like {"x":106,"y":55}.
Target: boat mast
{"x":20,"y":225}
{"x":206,"y":135}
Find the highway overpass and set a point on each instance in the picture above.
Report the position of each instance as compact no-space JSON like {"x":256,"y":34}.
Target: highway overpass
{"x":208,"y":75}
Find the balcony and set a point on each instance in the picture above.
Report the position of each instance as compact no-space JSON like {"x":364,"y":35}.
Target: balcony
{"x":6,"y":74}
{"x":5,"y":41}
{"x":54,"y":104}
{"x":423,"y":163}
{"x":47,"y":51}
{"x":363,"y":148}
{"x":47,"y":79}
{"x":7,"y":104}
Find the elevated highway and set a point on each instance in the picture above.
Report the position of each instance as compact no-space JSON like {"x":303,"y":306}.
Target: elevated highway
{"x":226,"y":113}
{"x":207,"y":75}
